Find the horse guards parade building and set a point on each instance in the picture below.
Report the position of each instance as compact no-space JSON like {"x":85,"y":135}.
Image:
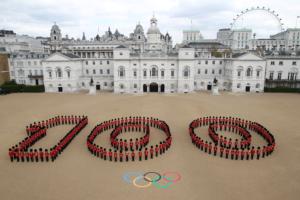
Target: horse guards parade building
{"x":148,"y":61}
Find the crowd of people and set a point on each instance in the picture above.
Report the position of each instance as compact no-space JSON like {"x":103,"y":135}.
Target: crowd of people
{"x":226,"y":148}
{"x":134,"y":149}
{"x":22,"y":152}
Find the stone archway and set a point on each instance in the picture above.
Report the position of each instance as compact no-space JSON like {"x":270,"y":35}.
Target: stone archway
{"x":162,"y":88}
{"x":153,"y":87}
{"x":144,"y":88}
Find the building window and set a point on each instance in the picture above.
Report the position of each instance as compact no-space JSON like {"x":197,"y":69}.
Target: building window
{"x":101,"y":71}
{"x":292,"y":76}
{"x":279,"y":75}
{"x":257,"y":86}
{"x":58,"y":73}
{"x":199,"y":71}
{"x":206,"y":62}
{"x":94,"y":71}
{"x":135,"y":86}
{"x":280,"y":62}
{"x":93,"y":62}
{"x":154,"y":72}
{"x":238,"y":85}
{"x":82,"y":84}
{"x":271,"y":75}
{"x":121,"y":54}
{"x":105,"y":83}
{"x":100,"y":62}
{"x":220,"y":71}
{"x":50,"y":74}
{"x":172,"y":73}
{"x":87,"y":71}
{"x":69,"y":73}
{"x":294,"y":63}
{"x":257,"y":73}
{"x":162,"y":73}
{"x":121,"y":72}
{"x":249,"y":72}
{"x":107,"y":62}
{"x":86,"y":62}
{"x":205,"y":71}
{"x":213,"y":62}
{"x":239,"y":73}
{"x":145,"y":73}
{"x":272,"y":63}
{"x":221,"y":62}
{"x":108,"y":71}
{"x":213,"y":71}
{"x":135,"y":73}
{"x":186,"y":72}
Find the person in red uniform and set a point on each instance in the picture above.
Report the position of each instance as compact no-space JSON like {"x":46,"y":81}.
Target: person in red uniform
{"x":146,"y":153}
{"x":126,"y":155}
{"x":258,"y":151}
{"x":131,"y":144}
{"x":47,"y":155}
{"x":121,"y":156}
{"x":232,"y":152}
{"x":11,"y":155}
{"x":205,"y":146}
{"x":156,"y":150}
{"x":140,"y":155}
{"x":221,"y":151}
{"x":136,"y":144}
{"x":252,"y":152}
{"x":115,"y":156}
{"x":41,"y":154}
{"x":209,"y":147}
{"x":227,"y":152}
{"x":237,"y":152}
{"x":215,"y":150}
{"x":132,"y":155}
{"x":110,"y":155}
{"x":242,"y":154}
{"x":151,"y":152}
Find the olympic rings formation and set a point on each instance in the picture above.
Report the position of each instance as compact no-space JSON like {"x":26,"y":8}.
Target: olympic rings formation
{"x":124,"y":150}
{"x":160,"y":181}
{"x":226,"y":148}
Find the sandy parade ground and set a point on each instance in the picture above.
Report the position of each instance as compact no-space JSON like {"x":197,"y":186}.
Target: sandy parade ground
{"x":76,"y":174}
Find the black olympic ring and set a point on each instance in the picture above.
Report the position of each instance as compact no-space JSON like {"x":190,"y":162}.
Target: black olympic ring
{"x":155,"y":180}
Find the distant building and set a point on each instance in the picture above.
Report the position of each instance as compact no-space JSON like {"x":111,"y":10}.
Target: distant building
{"x":146,"y":61}
{"x":4,"y":68}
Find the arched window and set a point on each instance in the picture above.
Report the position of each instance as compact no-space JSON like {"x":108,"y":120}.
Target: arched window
{"x":249,"y":72}
{"x":68,"y":71}
{"x":58,"y":73}
{"x":154,"y":71}
{"x":186,"y":72}
{"x":121,"y":71}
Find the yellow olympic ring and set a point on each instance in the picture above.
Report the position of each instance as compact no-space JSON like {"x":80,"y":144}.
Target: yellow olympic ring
{"x":142,"y":186}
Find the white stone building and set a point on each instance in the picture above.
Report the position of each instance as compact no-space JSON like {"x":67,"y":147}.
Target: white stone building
{"x":26,"y":68}
{"x":148,"y":62}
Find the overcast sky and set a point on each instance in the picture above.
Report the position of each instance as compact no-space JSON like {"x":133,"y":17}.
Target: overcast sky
{"x":35,"y":17}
